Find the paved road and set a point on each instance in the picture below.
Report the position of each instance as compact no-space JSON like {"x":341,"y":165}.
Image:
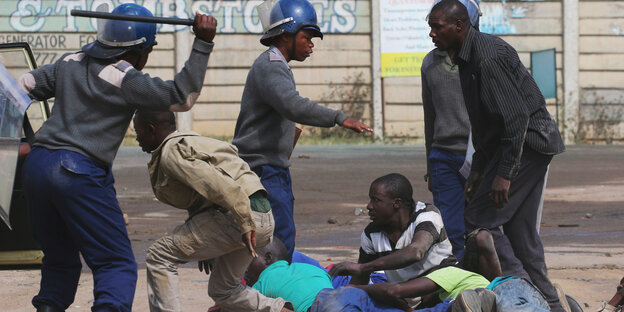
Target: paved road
{"x":582,"y":225}
{"x":583,"y":205}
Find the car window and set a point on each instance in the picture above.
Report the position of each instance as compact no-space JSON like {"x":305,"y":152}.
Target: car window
{"x":18,"y":60}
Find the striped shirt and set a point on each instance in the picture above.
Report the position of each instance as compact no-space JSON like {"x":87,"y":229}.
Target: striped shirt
{"x":426,"y":217}
{"x":507,"y":111}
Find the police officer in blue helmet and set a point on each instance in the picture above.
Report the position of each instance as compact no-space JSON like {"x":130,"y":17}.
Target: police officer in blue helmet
{"x":270,"y":106}
{"x":287,"y":18}
{"x":67,"y":175}
{"x":447,"y":132}
{"x":117,"y":38}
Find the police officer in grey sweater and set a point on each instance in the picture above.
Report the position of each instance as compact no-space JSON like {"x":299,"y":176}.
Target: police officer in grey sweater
{"x":271,"y":106}
{"x":67,"y":176}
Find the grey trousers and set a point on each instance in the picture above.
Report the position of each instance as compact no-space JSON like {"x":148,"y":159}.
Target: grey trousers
{"x":517,"y":241}
{"x":209,"y":235}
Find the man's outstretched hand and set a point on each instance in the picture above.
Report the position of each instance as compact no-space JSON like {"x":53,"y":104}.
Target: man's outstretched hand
{"x":345,"y":268}
{"x":205,"y":27}
{"x":249,"y":239}
{"x":356,"y":125}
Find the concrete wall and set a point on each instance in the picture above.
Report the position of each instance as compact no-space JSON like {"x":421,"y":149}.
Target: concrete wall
{"x":601,"y":70}
{"x":346,"y":52}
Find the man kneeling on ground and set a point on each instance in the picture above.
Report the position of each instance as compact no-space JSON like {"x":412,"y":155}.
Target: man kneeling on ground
{"x":229,"y":215}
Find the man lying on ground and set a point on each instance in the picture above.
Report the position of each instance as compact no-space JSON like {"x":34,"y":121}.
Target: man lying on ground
{"x":472,"y":292}
{"x":307,"y":286}
{"x":298,"y":283}
{"x":229,"y":215}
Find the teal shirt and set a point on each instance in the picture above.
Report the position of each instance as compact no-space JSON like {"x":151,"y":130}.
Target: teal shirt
{"x":297,"y":283}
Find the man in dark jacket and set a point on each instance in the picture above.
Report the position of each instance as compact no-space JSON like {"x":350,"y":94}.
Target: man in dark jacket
{"x":515,"y":139}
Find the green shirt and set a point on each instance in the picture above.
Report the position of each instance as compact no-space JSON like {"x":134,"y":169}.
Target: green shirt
{"x":454,"y":280}
{"x":297,"y":283}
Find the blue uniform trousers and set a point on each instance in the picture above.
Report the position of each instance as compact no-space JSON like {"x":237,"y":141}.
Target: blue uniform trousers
{"x":74,"y":210}
{"x":278,"y":185}
{"x":448,"y":194}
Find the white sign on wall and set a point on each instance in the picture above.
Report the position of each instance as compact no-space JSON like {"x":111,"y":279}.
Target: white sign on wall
{"x":404,"y":36}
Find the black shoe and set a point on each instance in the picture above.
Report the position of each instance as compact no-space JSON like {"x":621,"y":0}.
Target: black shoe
{"x":47,"y":308}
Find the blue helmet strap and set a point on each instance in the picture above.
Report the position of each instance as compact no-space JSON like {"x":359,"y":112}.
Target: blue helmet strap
{"x":137,"y":62}
{"x":294,"y":46}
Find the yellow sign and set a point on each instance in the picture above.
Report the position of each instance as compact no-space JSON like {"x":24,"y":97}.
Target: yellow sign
{"x":401,"y":64}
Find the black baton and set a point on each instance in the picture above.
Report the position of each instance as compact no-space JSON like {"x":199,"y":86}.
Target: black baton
{"x":134,"y":18}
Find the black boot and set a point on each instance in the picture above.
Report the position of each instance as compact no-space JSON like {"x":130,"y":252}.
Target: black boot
{"x":47,"y":308}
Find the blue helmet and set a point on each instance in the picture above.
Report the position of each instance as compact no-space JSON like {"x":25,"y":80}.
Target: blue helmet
{"x":117,"y":37}
{"x":289,"y":17}
{"x":473,"y":11}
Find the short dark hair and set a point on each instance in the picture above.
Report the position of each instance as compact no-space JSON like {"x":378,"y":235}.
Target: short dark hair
{"x":276,"y":248}
{"x":453,"y":10}
{"x":156,"y":118}
{"x":398,"y":186}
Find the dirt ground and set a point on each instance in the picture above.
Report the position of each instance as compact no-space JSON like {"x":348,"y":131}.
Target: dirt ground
{"x":582,"y":225}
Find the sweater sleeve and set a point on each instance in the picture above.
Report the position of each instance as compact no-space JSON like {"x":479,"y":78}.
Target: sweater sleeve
{"x":179,"y":94}
{"x":280,"y":92}
{"x":40,"y":84}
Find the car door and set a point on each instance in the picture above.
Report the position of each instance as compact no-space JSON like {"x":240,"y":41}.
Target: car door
{"x":17,"y":127}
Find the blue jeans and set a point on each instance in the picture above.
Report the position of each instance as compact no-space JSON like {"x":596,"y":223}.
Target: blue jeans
{"x":351,"y":299}
{"x":448,"y":194}
{"x":74,"y":210}
{"x":518,"y":295}
{"x":278,"y":185}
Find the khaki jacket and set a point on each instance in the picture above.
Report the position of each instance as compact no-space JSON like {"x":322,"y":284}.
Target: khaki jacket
{"x":192,"y":172}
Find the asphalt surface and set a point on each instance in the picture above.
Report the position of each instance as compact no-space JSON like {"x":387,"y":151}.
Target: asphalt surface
{"x":582,"y":225}
{"x":584,"y":198}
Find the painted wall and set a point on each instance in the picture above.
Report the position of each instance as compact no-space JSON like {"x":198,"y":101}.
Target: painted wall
{"x":345,"y":52}
{"x":601,"y":70}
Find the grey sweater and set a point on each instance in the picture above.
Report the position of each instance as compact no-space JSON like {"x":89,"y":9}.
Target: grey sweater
{"x":270,"y":106}
{"x":447,"y":126}
{"x":95,"y":99}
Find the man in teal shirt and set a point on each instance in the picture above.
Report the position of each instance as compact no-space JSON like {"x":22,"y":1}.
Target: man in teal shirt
{"x":297,"y":283}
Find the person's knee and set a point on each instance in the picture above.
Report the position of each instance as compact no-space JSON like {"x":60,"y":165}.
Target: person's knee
{"x":485,"y":242}
{"x":220,"y":294}
{"x":156,"y":254}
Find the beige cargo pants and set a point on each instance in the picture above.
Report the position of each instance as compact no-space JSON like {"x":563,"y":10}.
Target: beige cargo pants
{"x":209,"y":235}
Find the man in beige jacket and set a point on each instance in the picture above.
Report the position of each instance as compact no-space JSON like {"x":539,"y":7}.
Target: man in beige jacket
{"x":229,"y":215}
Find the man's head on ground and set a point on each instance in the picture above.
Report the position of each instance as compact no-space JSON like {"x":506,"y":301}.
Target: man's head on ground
{"x":390,"y":199}
{"x":449,"y":22}
{"x":293,"y":25}
{"x":152,"y":128}
{"x":271,"y":253}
